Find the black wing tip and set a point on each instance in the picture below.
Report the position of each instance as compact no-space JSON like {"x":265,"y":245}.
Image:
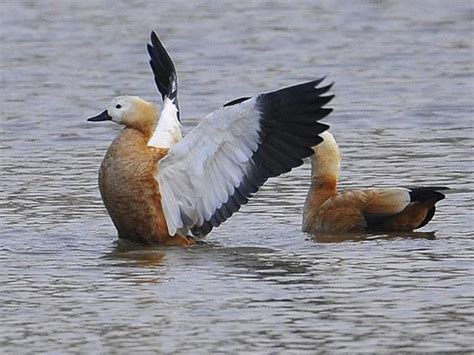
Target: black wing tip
{"x":323,"y":126}
{"x":318,"y":81}
{"x":427,"y":193}
{"x":163,"y":67}
{"x":234,"y":202}
{"x":157,"y":45}
{"x":315,"y":83}
{"x":324,"y":112}
{"x":290,"y":121}
{"x":155,"y":41}
{"x":236,"y":101}
{"x":304,"y":93}
{"x":319,"y":90}
{"x":309,"y":83}
{"x":202,"y":231}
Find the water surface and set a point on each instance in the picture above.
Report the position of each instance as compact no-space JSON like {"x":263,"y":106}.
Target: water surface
{"x":403,"y":116}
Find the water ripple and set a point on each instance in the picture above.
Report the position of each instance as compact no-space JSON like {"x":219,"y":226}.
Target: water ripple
{"x":403,"y":116}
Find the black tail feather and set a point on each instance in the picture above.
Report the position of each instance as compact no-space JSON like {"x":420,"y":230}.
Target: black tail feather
{"x":422,"y":194}
{"x":428,"y":217}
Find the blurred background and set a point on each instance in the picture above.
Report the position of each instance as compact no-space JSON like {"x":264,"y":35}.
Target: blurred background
{"x":403,"y":115}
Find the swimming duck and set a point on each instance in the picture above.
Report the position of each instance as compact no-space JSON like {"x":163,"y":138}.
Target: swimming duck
{"x":160,"y":188}
{"x":376,"y":209}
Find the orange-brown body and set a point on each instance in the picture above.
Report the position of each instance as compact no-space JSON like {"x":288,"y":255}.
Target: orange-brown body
{"x":130,"y":191}
{"x":127,"y":183}
{"x":388,"y":209}
{"x":354,"y":211}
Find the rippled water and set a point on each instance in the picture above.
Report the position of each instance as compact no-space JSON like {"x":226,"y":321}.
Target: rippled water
{"x":403,"y":115}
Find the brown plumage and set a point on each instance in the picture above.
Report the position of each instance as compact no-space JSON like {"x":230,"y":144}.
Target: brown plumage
{"x":128,"y":186}
{"x":159,"y":188}
{"x":385,"y":209}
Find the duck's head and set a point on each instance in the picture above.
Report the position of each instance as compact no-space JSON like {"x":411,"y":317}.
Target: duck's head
{"x":326,"y":160}
{"x":130,"y":111}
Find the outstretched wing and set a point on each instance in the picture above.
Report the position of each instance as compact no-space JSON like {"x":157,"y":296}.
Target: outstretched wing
{"x":223,"y":161}
{"x":163,"y":69}
{"x":168,"y":129}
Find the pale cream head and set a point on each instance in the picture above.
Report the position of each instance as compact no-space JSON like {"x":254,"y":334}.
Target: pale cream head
{"x":129,"y":110}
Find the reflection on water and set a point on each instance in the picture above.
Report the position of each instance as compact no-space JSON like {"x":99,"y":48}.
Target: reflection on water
{"x":340,"y":238}
{"x":403,"y":117}
{"x":138,"y":255}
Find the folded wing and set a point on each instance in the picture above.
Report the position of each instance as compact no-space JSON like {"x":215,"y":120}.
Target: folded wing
{"x":400,"y":209}
{"x":223,"y":161}
{"x":388,"y":201}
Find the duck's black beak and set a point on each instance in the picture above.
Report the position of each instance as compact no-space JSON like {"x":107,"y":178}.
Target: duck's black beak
{"x":103,"y":116}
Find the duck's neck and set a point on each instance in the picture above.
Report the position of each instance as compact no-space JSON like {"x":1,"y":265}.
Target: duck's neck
{"x":147,"y":117}
{"x":323,"y":186}
{"x":324,"y":177}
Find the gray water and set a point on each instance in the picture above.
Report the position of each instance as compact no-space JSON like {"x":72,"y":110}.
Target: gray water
{"x":403,"y":73}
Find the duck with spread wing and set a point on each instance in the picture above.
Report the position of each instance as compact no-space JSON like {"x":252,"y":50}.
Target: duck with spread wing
{"x":160,"y":188}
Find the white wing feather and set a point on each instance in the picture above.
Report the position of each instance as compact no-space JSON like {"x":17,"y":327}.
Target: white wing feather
{"x":204,"y":168}
{"x":168,"y":129}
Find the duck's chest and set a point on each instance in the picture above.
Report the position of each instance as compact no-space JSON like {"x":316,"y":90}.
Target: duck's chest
{"x":129,"y":168}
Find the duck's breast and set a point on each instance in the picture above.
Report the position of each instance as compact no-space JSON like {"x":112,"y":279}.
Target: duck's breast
{"x":129,"y":190}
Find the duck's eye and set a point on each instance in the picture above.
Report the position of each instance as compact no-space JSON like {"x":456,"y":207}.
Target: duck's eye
{"x":118,"y":106}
